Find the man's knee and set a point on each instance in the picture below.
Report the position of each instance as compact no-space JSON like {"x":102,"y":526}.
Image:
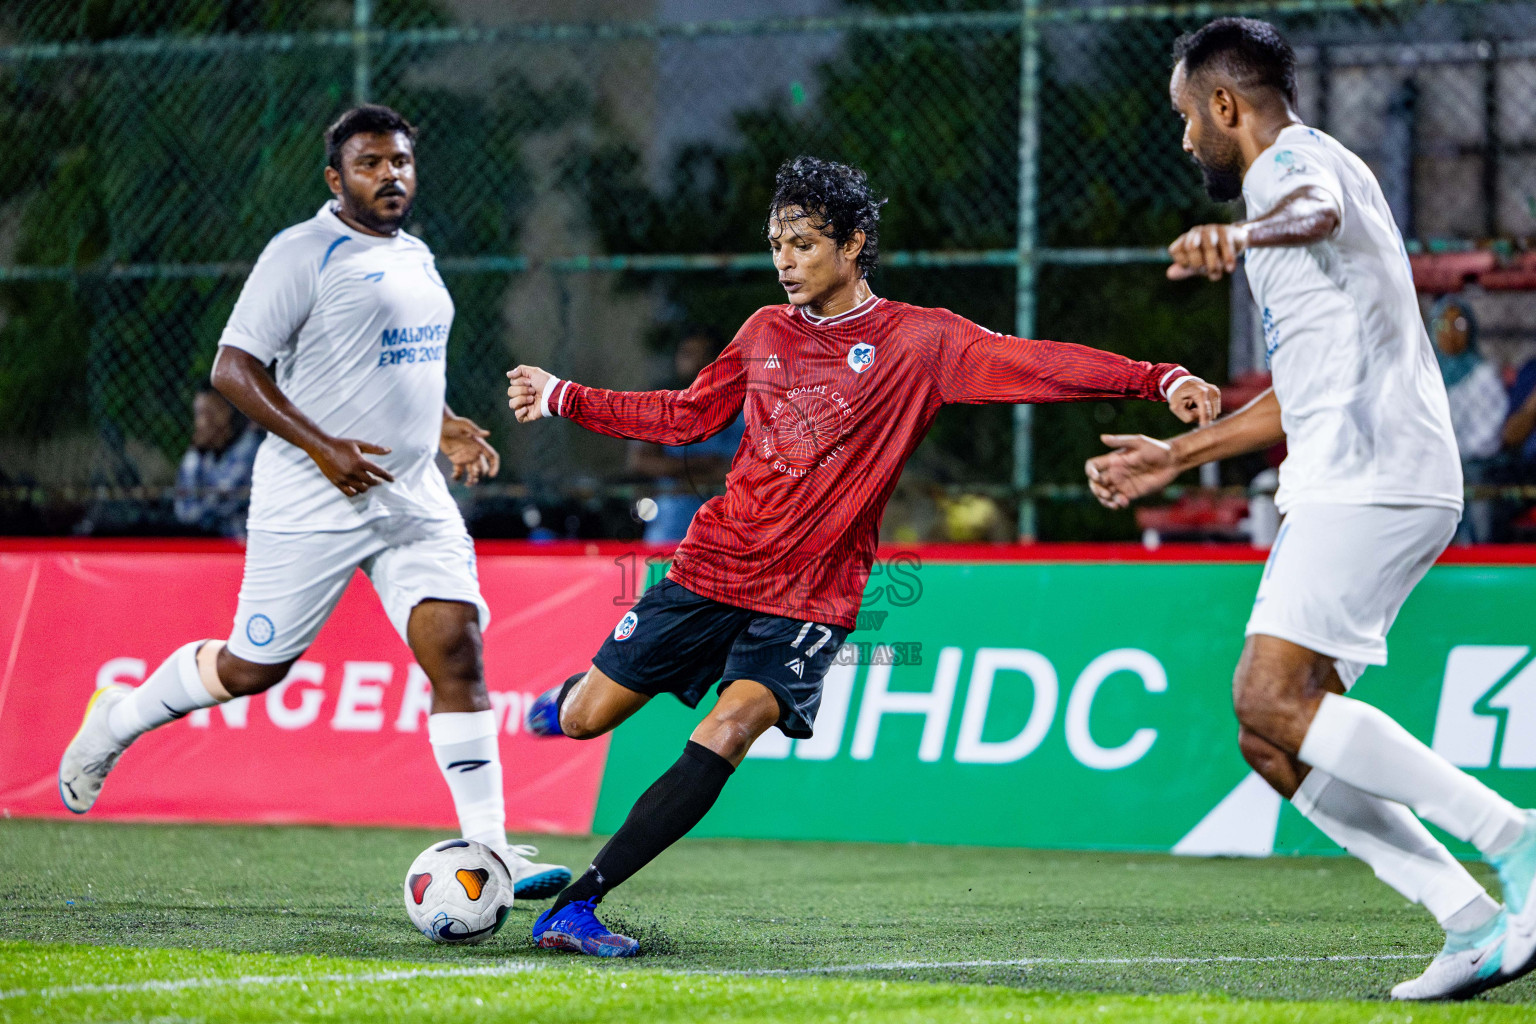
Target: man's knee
{"x":1276,"y":689}
{"x":580,"y":724}
{"x":735,"y":724}
{"x":243,"y":678}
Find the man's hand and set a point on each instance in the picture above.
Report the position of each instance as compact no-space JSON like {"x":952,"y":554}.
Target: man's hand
{"x":525,"y":386}
{"x":1138,"y":466}
{"x":1210,"y":250}
{"x":342,"y":462}
{"x":463,"y":441}
{"x":1194,"y":401}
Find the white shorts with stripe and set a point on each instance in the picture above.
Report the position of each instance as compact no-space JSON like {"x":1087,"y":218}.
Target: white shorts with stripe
{"x":292,"y":581}
{"x":1338,"y":575}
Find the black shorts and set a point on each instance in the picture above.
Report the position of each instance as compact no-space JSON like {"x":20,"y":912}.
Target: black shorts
{"x":675,"y":641}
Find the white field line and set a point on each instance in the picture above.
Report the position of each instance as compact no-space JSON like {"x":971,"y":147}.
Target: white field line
{"x":254,"y":980}
{"x":1049,"y":961}
{"x":430,"y":973}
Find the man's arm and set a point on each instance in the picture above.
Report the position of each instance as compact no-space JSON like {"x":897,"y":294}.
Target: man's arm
{"x":1303,"y":217}
{"x":703,"y":409}
{"x":1140,"y":465}
{"x":241,"y":378}
{"x":977,"y":366}
{"x":1522,"y":417}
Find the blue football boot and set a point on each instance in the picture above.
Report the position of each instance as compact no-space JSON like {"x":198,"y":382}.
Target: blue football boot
{"x":1517,"y":873}
{"x":543,"y":716}
{"x":1470,"y":962}
{"x":575,"y":927}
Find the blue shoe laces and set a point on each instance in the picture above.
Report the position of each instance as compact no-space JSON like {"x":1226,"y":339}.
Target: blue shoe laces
{"x":583,"y":923}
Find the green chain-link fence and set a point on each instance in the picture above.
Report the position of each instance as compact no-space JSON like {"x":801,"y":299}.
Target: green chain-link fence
{"x":592,"y":185}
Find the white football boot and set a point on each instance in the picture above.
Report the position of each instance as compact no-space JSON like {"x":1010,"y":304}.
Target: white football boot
{"x":93,"y":751}
{"x":1470,"y":962}
{"x":1517,"y":873}
{"x":532,"y":881}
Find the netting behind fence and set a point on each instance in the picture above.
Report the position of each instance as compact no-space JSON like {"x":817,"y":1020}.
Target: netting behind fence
{"x":591,"y":187}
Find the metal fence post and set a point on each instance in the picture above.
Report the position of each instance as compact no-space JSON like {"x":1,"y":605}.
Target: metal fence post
{"x":362,"y":21}
{"x":1024,"y":300}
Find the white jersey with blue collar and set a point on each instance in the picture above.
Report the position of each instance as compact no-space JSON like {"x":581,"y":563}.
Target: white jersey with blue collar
{"x":1361,"y":399}
{"x":358,"y":327}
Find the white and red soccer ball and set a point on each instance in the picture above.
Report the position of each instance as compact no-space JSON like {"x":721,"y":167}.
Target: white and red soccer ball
{"x":458,"y":892}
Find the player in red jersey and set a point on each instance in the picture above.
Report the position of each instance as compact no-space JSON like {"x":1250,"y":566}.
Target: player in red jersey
{"x":838,"y":387}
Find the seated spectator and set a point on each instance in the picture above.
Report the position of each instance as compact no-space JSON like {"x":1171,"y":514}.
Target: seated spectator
{"x":213,"y":482}
{"x":686,"y":475}
{"x":1478,"y":405}
{"x":1520,"y":427}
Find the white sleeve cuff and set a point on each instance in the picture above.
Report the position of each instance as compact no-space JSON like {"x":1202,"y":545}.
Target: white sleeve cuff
{"x":549,"y":389}
{"x":1175,"y":379}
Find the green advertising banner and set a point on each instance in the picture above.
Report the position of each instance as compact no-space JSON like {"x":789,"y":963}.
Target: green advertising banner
{"x":1088,"y":706}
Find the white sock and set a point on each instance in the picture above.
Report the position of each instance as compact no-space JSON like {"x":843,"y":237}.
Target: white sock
{"x":1363,"y":746}
{"x":464,"y":743}
{"x":1398,"y":848}
{"x":171,"y":691}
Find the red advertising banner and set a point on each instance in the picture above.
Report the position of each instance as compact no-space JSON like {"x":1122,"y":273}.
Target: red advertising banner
{"x":342,"y":741}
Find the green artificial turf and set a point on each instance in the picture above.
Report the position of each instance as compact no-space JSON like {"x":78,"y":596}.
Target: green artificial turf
{"x":732,"y":930}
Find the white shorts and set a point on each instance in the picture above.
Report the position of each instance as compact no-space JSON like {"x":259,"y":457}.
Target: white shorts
{"x":1337,"y":576}
{"x":292,"y":581}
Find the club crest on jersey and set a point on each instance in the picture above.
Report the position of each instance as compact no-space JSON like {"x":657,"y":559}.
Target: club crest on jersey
{"x":860,"y":357}
{"x":626,"y":627}
{"x":259,"y":630}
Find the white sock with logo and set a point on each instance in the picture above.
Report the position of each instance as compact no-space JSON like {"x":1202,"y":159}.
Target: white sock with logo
{"x":467,"y":752}
{"x":1398,"y":848}
{"x":1363,"y":746}
{"x":171,"y":691}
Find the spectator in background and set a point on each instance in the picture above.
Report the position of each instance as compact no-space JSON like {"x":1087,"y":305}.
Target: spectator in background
{"x":685,"y":476}
{"x":1478,"y":405}
{"x":1520,"y":427}
{"x":213,"y":482}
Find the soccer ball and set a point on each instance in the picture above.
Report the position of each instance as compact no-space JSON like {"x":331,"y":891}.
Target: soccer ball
{"x":458,"y":892}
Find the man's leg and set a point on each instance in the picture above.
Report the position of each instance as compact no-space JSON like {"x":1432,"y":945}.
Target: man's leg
{"x":1280,"y":696}
{"x":289,"y":586}
{"x":590,"y":704}
{"x":678,"y":800}
{"x":445,"y":638}
{"x":1276,"y":685}
{"x":1382,"y":833}
{"x":197,"y":675}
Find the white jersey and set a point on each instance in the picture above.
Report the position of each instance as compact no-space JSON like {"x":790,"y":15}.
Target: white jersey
{"x":358,"y":326}
{"x":1361,"y":398}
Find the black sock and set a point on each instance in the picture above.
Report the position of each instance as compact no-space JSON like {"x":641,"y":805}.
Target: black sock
{"x":663,"y":815}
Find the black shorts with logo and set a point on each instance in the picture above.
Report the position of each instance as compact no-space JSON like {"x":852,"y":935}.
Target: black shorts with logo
{"x":675,"y":641}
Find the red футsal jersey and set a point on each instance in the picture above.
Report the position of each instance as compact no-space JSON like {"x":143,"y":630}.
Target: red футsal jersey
{"x":834,"y":407}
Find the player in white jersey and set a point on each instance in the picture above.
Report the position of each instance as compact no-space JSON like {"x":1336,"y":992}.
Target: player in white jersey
{"x":1370,"y":488}
{"x":351,"y":311}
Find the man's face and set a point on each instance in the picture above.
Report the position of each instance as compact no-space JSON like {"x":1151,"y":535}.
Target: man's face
{"x":1451,"y":331}
{"x":1215,"y":152}
{"x":810,"y":263}
{"x":212,"y":423}
{"x":377,"y":180}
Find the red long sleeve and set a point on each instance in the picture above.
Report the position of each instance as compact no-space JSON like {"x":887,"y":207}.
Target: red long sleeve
{"x":703,"y":409}
{"x":976,"y":366}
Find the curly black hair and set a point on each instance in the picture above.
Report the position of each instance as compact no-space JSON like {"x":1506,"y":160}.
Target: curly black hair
{"x":365,"y":120}
{"x":838,"y":196}
{"x":1252,"y":52}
